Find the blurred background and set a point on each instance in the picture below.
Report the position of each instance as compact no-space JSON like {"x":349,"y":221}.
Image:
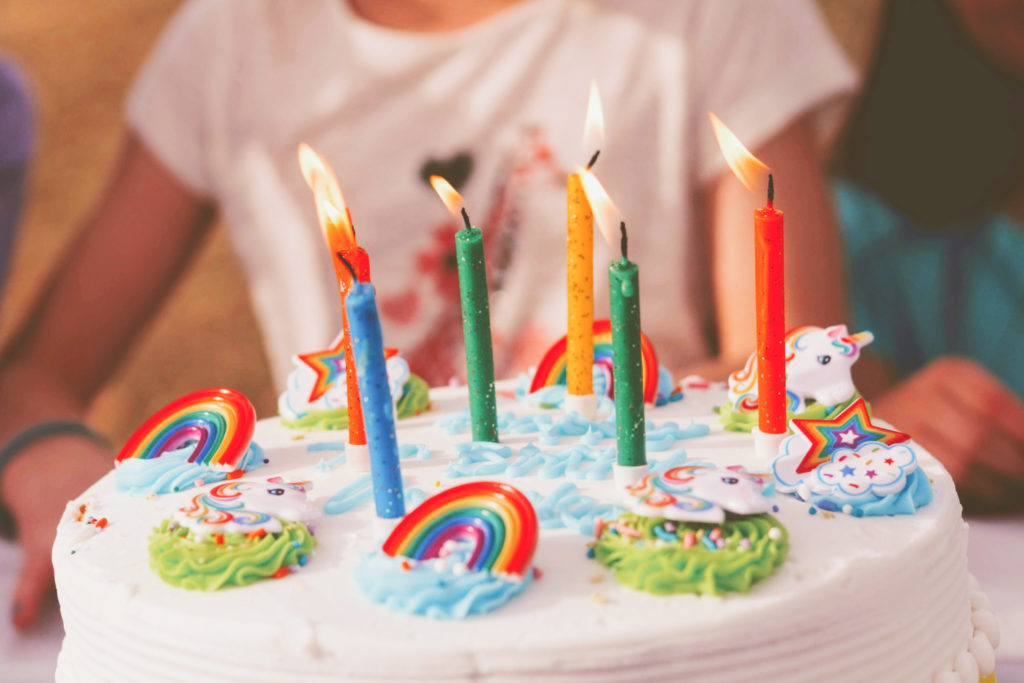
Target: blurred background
{"x":80,"y":57}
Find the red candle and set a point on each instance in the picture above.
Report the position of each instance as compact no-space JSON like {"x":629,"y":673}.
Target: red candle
{"x":771,"y":317}
{"x":336,"y":224}
{"x":360,"y":262}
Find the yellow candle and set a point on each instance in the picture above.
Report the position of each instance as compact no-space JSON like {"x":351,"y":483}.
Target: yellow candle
{"x":580,"y":334}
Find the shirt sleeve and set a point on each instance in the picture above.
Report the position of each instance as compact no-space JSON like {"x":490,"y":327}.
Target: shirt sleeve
{"x":171,"y":101}
{"x":759,"y":66}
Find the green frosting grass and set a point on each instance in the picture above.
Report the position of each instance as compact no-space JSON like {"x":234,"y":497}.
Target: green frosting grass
{"x":238,"y":561}
{"x":663,"y":567}
{"x":414,"y":401}
{"x":746,"y":420}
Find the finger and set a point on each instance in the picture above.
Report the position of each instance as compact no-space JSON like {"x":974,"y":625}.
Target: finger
{"x":999,"y":455}
{"x":950,"y":429}
{"x":35,"y":582}
{"x":981,"y":393}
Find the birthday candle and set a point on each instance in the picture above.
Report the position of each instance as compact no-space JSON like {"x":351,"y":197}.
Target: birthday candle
{"x":336,"y":224}
{"x":580,"y":268}
{"x":378,"y":408}
{"x":579,"y":341}
{"x":627,"y":358}
{"x":769,"y":279}
{"x":476,"y":317}
{"x":771,"y":317}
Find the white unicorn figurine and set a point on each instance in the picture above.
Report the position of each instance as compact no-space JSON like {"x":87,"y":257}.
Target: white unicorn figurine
{"x":818,"y":363}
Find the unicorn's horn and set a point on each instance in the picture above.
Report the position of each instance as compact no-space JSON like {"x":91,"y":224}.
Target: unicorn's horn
{"x":862,"y":338}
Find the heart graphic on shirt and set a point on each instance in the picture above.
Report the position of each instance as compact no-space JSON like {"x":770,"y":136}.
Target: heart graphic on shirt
{"x":455,"y":169}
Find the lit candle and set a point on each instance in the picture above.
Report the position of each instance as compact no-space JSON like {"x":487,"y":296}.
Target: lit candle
{"x":769,"y":295}
{"x":627,"y":358}
{"x":476,"y":316}
{"x":336,"y":224}
{"x":377,"y":404}
{"x":627,"y":348}
{"x":771,"y":317}
{"x":579,"y":338}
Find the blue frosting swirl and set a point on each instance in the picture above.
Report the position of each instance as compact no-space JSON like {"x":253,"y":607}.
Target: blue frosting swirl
{"x":173,"y":472}
{"x":434,"y":589}
{"x":916,"y":494}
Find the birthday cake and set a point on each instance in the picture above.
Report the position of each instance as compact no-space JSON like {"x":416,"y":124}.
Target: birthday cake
{"x":518,"y":560}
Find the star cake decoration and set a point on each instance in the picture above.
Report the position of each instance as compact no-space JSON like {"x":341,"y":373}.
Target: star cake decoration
{"x":849,"y":429}
{"x":329,"y":365}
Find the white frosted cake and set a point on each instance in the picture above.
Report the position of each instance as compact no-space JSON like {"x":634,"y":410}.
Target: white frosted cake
{"x":884,"y":598}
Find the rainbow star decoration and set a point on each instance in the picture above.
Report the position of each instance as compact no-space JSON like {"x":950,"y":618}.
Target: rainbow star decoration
{"x":329,"y":365}
{"x":849,"y":429}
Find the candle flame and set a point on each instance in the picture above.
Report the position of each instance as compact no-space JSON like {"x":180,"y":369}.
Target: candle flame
{"x":448,"y":194}
{"x":606,"y":214}
{"x":745,"y":166}
{"x":593,"y":129}
{"x":331,"y":210}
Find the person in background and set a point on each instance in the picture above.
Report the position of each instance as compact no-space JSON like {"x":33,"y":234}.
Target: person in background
{"x":930,"y":189}
{"x":390,"y":92}
{"x":15,"y":149}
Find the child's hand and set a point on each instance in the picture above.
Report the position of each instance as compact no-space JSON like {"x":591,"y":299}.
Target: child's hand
{"x":36,"y":485}
{"x":972,"y":423}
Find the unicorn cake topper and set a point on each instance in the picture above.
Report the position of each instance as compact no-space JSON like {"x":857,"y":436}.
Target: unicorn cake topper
{"x":818,"y":365}
{"x":235,"y":534}
{"x":693,"y":529}
{"x":698,"y":493}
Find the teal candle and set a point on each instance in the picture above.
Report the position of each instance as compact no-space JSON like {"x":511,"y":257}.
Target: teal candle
{"x":476,"y":331}
{"x":375,"y":395}
{"x":627,"y":359}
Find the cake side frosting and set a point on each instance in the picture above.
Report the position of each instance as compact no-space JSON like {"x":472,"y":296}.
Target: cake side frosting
{"x":885,"y":597}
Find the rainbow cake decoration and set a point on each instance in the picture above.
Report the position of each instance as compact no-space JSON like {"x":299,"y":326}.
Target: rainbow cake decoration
{"x":693,"y":529}
{"x":467,"y":550}
{"x":315,"y":396}
{"x":201,"y":438}
{"x":551,"y":370}
{"x":848,"y":463}
{"x":235,"y":534}
{"x":818,"y":377}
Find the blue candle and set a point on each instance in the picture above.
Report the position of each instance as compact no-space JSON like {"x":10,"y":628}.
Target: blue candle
{"x":378,"y":409}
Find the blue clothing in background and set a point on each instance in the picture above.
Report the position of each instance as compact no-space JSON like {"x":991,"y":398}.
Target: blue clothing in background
{"x":15,"y":148}
{"x":930,"y":294}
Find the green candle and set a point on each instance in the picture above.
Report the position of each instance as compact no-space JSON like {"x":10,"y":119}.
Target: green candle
{"x":476,"y":330}
{"x":624,"y":281}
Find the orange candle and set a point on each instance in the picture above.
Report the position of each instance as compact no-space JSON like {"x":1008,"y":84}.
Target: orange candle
{"x":336,"y":224}
{"x":579,"y":338}
{"x":771,"y":317}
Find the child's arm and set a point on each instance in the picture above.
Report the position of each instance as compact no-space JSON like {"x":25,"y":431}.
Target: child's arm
{"x":814,"y":274}
{"x":105,"y":288}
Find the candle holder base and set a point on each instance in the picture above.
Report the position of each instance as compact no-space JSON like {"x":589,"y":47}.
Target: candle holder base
{"x":585,"y":405}
{"x":628,"y":475}
{"x":766,"y":446}
{"x":357,"y":457}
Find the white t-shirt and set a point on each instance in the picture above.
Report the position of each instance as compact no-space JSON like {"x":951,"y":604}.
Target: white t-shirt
{"x":233,"y":86}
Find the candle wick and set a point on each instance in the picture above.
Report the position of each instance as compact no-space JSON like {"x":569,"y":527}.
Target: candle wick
{"x":465,"y":219}
{"x":349,"y":266}
{"x":771,"y":189}
{"x":624,"y":242}
{"x":593,"y":159}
